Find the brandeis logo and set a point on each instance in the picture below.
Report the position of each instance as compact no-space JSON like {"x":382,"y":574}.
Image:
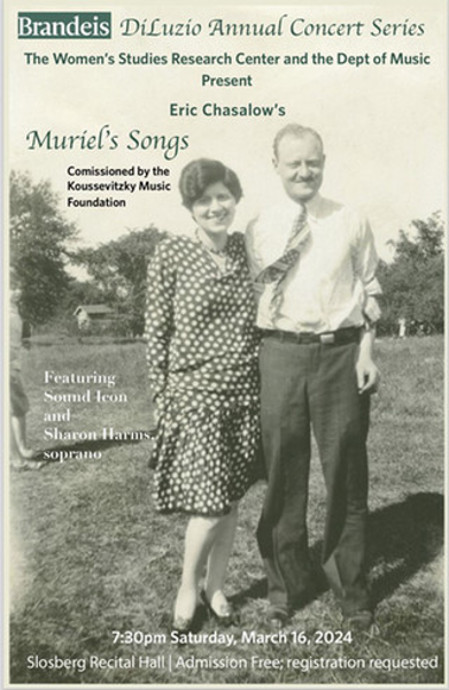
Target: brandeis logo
{"x":64,"y":25}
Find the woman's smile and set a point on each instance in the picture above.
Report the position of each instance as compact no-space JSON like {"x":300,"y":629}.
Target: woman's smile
{"x":214,"y":211}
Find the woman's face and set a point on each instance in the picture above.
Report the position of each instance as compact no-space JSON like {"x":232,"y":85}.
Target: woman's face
{"x":214,"y":211}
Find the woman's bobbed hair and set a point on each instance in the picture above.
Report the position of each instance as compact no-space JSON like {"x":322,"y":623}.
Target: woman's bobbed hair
{"x":197,"y":175}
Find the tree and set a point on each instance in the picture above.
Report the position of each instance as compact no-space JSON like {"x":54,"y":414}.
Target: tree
{"x":76,"y":294}
{"x":413,"y":284}
{"x":39,"y":235}
{"x":80,"y":292}
{"x":119,"y":269}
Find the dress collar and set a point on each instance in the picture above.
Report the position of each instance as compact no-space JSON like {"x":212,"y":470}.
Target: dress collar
{"x":212,"y":250}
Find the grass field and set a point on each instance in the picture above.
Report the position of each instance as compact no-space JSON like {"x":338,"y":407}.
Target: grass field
{"x":89,"y":556}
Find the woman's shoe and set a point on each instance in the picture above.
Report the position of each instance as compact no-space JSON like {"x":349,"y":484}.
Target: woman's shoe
{"x":228,"y":615}
{"x":182,"y":625}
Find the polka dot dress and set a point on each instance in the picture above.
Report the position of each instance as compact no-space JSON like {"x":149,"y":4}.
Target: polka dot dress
{"x":202,"y":358}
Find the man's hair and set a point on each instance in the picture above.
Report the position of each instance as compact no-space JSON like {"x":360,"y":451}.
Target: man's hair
{"x":295,"y":130}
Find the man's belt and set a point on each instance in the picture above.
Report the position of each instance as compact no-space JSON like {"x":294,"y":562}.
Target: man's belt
{"x":340,"y":337}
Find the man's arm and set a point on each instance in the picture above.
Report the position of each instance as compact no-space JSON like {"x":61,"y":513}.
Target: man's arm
{"x":253,"y":259}
{"x":368,"y":375}
{"x":251,"y":250}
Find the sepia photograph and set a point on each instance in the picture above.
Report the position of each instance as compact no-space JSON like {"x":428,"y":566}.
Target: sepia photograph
{"x":224,"y":344}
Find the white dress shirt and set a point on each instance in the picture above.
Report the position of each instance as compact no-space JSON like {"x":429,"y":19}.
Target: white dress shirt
{"x":333,"y":284}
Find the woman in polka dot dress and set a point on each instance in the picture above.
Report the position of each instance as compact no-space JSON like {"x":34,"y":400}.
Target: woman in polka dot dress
{"x":202,"y":357}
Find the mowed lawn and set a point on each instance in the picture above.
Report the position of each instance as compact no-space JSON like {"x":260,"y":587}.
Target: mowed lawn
{"x":89,"y":556}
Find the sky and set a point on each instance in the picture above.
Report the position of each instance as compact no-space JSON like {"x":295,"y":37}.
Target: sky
{"x":383,"y":125}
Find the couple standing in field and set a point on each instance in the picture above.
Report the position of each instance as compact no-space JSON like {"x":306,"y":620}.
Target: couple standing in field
{"x":270,"y":332}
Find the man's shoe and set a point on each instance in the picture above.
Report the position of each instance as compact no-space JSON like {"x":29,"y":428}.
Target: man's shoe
{"x":278,"y":617}
{"x":360,"y":621}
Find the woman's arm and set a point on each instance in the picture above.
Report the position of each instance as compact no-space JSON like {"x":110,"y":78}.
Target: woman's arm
{"x":159,"y":316}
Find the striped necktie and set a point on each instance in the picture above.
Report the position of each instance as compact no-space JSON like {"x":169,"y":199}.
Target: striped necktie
{"x":277,"y":272}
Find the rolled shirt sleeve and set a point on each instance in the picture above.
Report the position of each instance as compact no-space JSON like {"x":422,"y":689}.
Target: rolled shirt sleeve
{"x":366,"y":262}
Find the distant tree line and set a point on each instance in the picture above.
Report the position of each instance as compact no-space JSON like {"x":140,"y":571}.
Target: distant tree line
{"x":39,"y":238}
{"x":42,"y":245}
{"x":118,"y":270}
{"x":41,"y":248}
{"x":413,"y":283}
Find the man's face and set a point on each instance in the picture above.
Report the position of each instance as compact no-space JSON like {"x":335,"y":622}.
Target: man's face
{"x":300,"y":165}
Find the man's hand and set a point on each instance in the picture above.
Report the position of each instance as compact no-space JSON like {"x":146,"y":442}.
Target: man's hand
{"x":368,"y":375}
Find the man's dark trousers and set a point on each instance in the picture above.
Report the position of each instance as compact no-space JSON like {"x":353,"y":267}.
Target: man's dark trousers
{"x":306,"y":386}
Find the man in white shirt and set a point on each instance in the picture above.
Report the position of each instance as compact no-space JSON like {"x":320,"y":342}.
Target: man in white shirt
{"x":314,"y":264}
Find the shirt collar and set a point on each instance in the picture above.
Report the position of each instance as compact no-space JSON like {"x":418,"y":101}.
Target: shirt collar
{"x":313,"y":206}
